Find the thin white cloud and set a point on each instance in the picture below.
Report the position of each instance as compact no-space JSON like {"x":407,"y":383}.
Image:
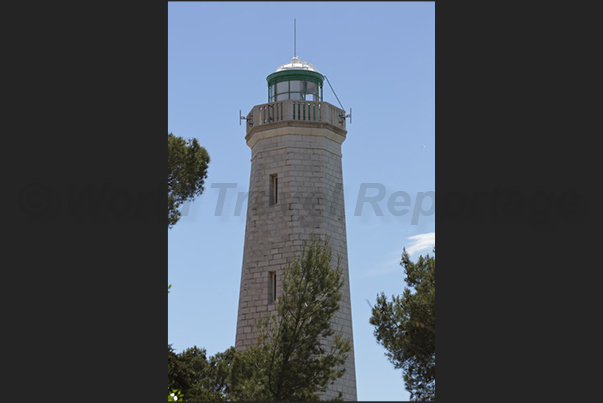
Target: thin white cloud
{"x":421,"y":242}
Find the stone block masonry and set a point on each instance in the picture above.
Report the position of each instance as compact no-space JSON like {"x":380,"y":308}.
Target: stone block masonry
{"x":305,"y":159}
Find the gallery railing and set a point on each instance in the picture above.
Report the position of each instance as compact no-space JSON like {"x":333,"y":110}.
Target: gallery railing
{"x":309,"y":111}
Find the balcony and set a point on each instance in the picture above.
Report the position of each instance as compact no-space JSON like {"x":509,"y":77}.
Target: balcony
{"x":292,"y":110}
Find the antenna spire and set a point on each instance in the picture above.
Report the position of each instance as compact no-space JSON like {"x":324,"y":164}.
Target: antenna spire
{"x":294,"y":39}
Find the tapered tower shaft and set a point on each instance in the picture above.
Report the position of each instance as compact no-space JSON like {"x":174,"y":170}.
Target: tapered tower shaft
{"x":295,"y":192}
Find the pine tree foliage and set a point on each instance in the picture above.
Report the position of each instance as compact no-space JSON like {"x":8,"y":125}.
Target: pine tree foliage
{"x":299,"y":353}
{"x":187,"y":169}
{"x":198,"y":377}
{"x":405,"y":326}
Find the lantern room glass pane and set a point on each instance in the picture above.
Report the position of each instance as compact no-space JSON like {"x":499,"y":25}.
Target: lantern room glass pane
{"x":312,"y":88}
{"x":282,"y":97}
{"x":295,"y":86}
{"x":281,"y":87}
{"x":296,"y":96}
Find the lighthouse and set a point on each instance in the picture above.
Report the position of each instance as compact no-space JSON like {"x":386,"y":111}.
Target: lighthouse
{"x":295,"y":193}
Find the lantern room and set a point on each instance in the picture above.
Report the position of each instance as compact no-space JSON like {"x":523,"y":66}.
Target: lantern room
{"x":296,"y":80}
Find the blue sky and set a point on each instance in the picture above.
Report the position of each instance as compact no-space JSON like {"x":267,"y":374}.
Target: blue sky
{"x":380,"y":59}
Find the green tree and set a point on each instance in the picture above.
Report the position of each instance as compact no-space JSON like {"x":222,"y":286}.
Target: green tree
{"x":198,"y":377}
{"x":405,"y":326}
{"x":187,"y":170}
{"x":298,"y":353}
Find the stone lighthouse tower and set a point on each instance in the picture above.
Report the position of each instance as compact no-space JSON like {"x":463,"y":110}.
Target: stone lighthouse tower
{"x":295,"y":192}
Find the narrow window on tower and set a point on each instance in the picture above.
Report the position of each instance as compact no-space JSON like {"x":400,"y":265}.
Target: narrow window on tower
{"x":273,"y":189}
{"x":272,"y":285}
